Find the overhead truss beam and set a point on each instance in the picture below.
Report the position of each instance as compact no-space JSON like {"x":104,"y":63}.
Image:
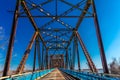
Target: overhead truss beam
{"x":31,"y":20}
{"x":88,"y":3}
{"x":20,"y":16}
{"x":55,"y":30}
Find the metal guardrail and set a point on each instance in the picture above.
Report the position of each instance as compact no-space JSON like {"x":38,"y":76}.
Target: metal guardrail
{"x":28,"y":75}
{"x":89,"y":76}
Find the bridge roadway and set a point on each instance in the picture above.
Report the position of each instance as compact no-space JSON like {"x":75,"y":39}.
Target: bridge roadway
{"x":57,"y":75}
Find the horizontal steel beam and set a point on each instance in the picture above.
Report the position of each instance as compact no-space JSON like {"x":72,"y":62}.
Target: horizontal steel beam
{"x":56,"y":30}
{"x":88,"y":3}
{"x":36,"y":6}
{"x":55,"y":16}
{"x":56,"y":41}
{"x":75,"y":6}
{"x":57,"y":48}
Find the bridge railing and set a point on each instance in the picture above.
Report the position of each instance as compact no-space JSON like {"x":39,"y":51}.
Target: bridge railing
{"x":89,"y":76}
{"x":28,"y":75}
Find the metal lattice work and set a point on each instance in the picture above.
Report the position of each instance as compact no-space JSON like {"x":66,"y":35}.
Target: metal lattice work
{"x":56,"y":27}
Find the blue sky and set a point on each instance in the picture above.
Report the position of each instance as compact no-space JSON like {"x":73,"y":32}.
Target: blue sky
{"x":109,"y":20}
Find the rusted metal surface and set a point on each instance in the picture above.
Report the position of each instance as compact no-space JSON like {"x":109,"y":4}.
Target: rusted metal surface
{"x":77,"y":51}
{"x":100,"y":43}
{"x":57,"y":61}
{"x":11,"y":40}
{"x":59,"y":38}
{"x":38,"y":51}
{"x":32,"y":20}
{"x":27,"y":51}
{"x":34,"y":61}
{"x":90,"y":62}
{"x":66,"y":59}
{"x":80,"y":19}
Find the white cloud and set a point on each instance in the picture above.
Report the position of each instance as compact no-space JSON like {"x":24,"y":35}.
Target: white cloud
{"x":2,"y":59}
{"x":1,"y":56}
{"x":28,"y":67}
{"x":14,"y":55}
{"x":1,"y":67}
{"x":3,"y":45}
{"x":2,"y":31}
{"x":1,"y":28}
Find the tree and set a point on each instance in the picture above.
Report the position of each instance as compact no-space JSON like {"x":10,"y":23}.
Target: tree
{"x":115,"y":66}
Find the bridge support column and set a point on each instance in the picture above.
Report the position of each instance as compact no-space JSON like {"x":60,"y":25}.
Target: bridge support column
{"x":38,"y":51}
{"x":11,"y":40}
{"x":46,"y":58}
{"x":100,"y":43}
{"x":66,"y":59}
{"x":77,"y":52}
{"x":42,"y":57}
{"x":34,"y":62}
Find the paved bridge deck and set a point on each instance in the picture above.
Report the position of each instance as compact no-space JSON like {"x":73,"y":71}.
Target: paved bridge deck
{"x":57,"y":75}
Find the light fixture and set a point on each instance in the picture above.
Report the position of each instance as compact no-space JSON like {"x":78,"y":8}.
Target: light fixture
{"x":44,"y":32}
{"x":49,"y":28}
{"x":53,"y":17}
{"x":48,"y":14}
{"x":62,"y":22}
{"x":47,"y":33}
{"x":58,"y":20}
{"x":66,"y":24}
{"x":33,"y":5}
{"x":41,"y":10}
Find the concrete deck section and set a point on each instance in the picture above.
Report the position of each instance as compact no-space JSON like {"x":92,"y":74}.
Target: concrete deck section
{"x":54,"y":75}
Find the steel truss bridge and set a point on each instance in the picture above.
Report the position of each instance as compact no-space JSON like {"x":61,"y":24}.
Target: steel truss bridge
{"x":56,"y":35}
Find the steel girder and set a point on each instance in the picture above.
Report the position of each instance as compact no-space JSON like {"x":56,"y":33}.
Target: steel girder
{"x":11,"y":40}
{"x":68,"y":29}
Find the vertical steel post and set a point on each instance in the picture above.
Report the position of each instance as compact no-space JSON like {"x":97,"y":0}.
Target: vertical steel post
{"x":34,"y":62}
{"x":70,"y":59}
{"x":100,"y":43}
{"x":76,"y":50}
{"x":46,"y":58}
{"x":38,"y":50}
{"x":73,"y":55}
{"x":11,"y":40}
{"x":78,"y":56}
{"x":66,"y":58}
{"x":42,"y":57}
{"x":50,"y":61}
